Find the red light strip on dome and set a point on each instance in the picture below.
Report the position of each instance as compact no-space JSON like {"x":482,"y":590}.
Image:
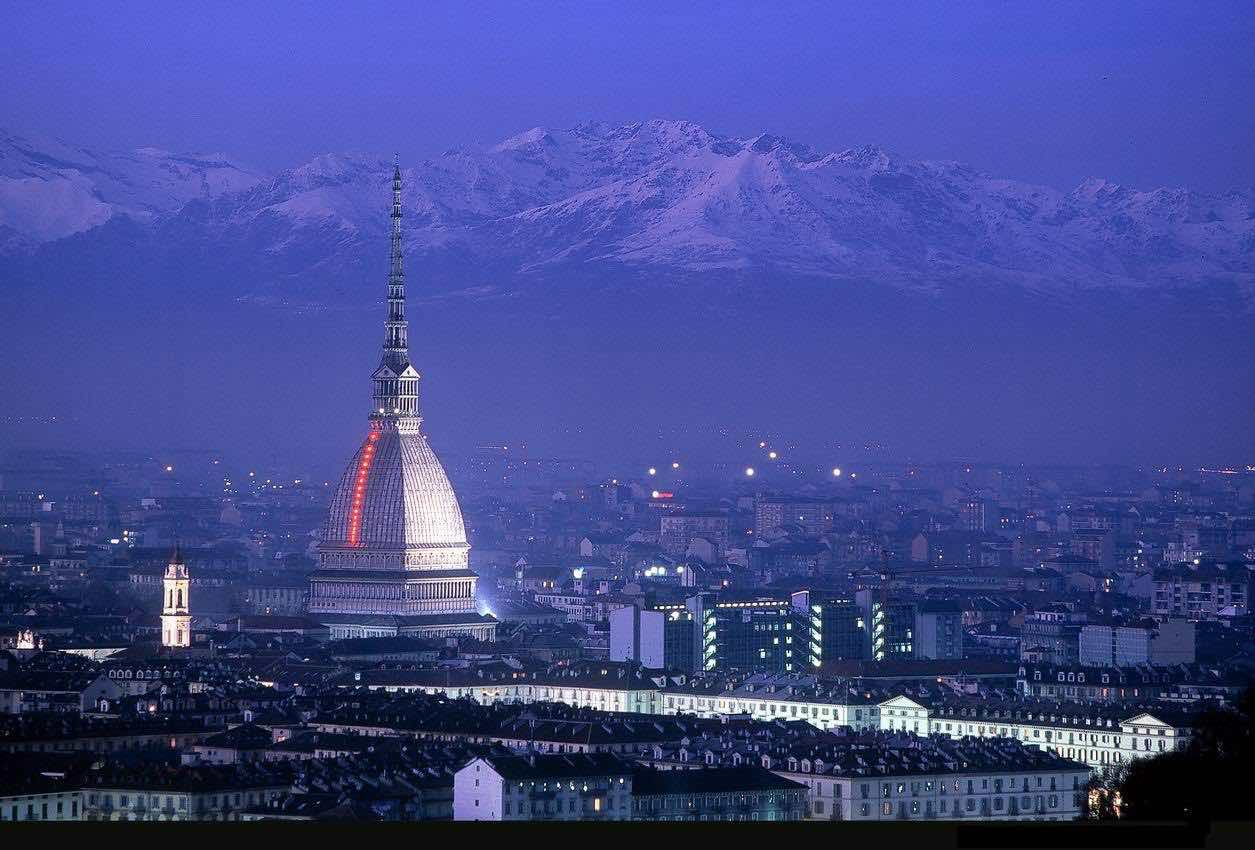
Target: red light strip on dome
{"x":359,"y":490}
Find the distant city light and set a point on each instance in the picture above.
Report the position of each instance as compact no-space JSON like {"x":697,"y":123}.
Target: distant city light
{"x":836,"y":472}
{"x":675,"y":464}
{"x":169,"y":468}
{"x":771,"y":455}
{"x":749,"y":471}
{"x":653,"y":471}
{"x":654,"y":494}
{"x":762,"y":444}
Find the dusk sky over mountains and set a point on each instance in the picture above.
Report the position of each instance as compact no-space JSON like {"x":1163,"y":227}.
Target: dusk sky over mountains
{"x":1148,"y":94}
{"x":977,"y":230}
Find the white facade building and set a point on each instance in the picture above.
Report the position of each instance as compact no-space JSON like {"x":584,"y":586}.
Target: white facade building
{"x":543,"y":787}
{"x":763,"y":698}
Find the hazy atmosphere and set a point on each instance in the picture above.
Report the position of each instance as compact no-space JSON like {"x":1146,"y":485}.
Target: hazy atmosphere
{"x":986,"y":231}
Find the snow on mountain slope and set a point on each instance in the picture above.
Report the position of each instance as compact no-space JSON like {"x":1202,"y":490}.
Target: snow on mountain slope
{"x":663,"y":196}
{"x":49,"y":190}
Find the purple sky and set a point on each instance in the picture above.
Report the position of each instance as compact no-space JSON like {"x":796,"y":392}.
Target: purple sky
{"x":1144,"y":93}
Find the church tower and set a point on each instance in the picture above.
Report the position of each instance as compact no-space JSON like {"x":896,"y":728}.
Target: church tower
{"x":176,"y":618}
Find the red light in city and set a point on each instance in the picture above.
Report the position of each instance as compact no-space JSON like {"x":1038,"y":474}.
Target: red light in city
{"x":359,"y":492}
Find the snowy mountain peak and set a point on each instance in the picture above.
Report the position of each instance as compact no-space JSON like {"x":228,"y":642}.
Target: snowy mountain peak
{"x":867,"y":157}
{"x":1100,"y":189}
{"x":338,"y":168}
{"x":50,"y":190}
{"x":770,"y":143}
{"x":533,"y":138}
{"x":664,"y":195}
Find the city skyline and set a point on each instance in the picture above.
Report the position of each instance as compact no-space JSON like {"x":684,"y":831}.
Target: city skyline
{"x":550,"y":412}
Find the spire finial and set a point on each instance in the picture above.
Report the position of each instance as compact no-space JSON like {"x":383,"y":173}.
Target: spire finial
{"x":396,"y":344}
{"x":396,"y":395}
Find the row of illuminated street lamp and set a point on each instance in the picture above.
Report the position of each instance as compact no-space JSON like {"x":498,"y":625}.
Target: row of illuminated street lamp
{"x":750,"y":472}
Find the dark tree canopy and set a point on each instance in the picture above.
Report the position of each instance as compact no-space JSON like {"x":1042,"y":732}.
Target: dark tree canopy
{"x":1206,"y":781}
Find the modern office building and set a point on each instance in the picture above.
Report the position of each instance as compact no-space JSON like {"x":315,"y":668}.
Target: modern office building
{"x":938,"y":629}
{"x":663,"y":636}
{"x":752,"y":633}
{"x":835,"y":627}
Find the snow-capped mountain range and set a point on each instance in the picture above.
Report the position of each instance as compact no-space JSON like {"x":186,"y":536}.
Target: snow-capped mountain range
{"x":657,"y":197}
{"x":50,"y":190}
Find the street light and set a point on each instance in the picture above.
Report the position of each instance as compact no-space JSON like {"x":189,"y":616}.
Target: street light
{"x":749,"y":471}
{"x":836,"y":472}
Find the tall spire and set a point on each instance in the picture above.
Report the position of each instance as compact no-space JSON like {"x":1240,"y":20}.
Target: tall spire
{"x":396,"y":340}
{"x":396,"y":381}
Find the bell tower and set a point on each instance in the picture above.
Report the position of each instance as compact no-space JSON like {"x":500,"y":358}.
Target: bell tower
{"x":176,"y":617}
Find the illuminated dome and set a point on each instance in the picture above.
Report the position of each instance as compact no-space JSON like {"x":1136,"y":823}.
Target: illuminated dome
{"x":395,"y":496}
{"x":393,"y":556}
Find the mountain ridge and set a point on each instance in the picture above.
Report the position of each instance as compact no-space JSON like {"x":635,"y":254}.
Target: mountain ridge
{"x":662,"y":197}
